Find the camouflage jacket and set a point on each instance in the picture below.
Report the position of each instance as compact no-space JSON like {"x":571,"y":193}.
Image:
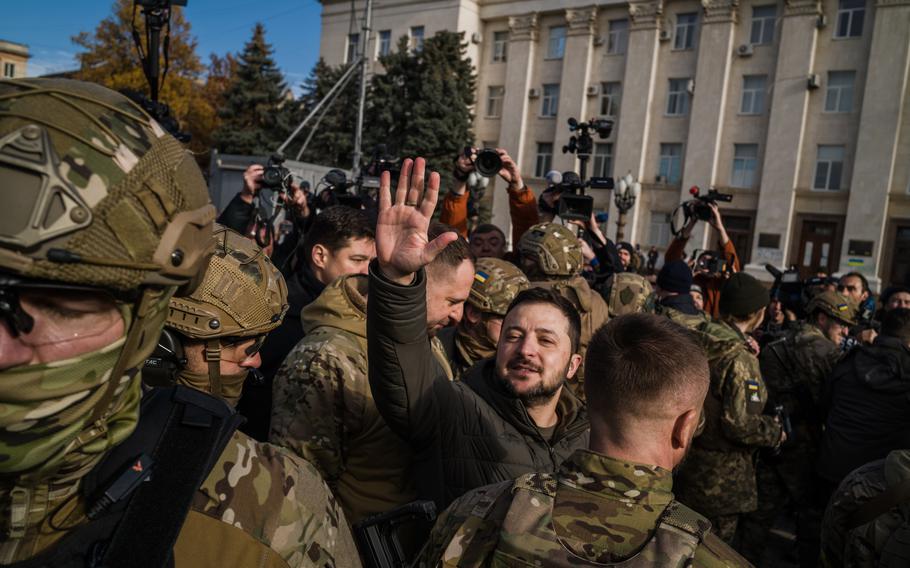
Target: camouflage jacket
{"x":685,"y":320}
{"x":884,"y":541}
{"x":593,"y":311}
{"x":595,"y":510}
{"x":262,"y":506}
{"x":323,"y":408}
{"x":718,"y":476}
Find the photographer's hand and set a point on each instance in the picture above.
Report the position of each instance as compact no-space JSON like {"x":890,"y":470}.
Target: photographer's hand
{"x":252,"y":182}
{"x":297,"y":202}
{"x":510,"y":172}
{"x":402,"y":245}
{"x":718,"y":223}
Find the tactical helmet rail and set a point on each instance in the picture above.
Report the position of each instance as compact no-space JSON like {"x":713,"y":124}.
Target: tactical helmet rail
{"x":834,"y":305}
{"x":496,"y":283}
{"x":554,"y":249}
{"x":96,"y":196}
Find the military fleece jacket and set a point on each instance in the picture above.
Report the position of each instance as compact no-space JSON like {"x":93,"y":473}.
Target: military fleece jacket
{"x":323,"y":409}
{"x":466,"y":433}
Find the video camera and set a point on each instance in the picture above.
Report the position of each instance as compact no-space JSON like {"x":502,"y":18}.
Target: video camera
{"x":711,"y":262}
{"x":700,"y":206}
{"x":788,"y":288}
{"x":573,"y":203}
{"x":337,"y":188}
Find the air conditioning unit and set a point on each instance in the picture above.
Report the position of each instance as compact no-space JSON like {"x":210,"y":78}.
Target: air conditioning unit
{"x":812,"y":81}
{"x":745,"y":50}
{"x":533,"y":93}
{"x":476,"y":38}
{"x":690,"y":86}
{"x":659,"y":179}
{"x":599,"y":40}
{"x":665,"y":35}
{"x":821,"y":21}
{"x":592,"y":90}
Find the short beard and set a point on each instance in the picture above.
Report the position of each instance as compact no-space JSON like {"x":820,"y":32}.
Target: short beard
{"x":539,"y":395}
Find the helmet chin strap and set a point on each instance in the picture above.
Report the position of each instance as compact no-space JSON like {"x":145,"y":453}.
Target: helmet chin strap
{"x":213,"y":358}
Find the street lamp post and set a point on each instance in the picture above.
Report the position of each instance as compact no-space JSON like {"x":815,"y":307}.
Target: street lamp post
{"x":624,"y":197}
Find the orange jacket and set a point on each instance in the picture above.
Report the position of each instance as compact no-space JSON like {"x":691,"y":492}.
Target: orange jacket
{"x":522,"y":210}
{"x":710,"y":283}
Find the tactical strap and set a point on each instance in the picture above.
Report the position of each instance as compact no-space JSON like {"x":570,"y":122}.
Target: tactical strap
{"x":685,"y":519}
{"x":195,"y":435}
{"x":213,"y":359}
{"x":881,"y":504}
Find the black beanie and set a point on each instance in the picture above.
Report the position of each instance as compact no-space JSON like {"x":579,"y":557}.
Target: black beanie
{"x":676,"y":277}
{"x":742,"y":295}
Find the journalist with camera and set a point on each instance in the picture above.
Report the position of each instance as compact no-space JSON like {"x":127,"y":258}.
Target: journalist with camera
{"x":711,"y":269}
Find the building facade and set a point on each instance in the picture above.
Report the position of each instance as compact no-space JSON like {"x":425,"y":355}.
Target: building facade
{"x":799,"y":109}
{"x":13,"y":59}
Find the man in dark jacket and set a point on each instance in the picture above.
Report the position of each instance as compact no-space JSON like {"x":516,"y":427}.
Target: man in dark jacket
{"x":868,"y":397}
{"x":509,"y":415}
{"x":339,"y":242}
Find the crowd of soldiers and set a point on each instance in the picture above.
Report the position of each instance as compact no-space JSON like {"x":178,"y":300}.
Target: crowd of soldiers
{"x":174,"y":394}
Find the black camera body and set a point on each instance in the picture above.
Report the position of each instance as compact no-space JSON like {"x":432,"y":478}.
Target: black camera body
{"x":275,"y":176}
{"x":712,"y":262}
{"x":700,"y":206}
{"x":573,"y":203}
{"x":487,"y":162}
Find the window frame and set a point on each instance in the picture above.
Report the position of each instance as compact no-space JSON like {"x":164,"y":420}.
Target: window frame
{"x":752,"y":92}
{"x":610,"y":100}
{"x":561,"y":41}
{"x":548,"y":100}
{"x":666,"y":177}
{"x":839,"y":91}
{"x":384,"y":43}
{"x":829,"y":165}
{"x":690,"y":38}
{"x":415,"y":41}
{"x":681,"y":108}
{"x":543,"y":161}
{"x":744,"y":171}
{"x":602,"y":159}
{"x":766,"y":25}
{"x":618,"y":39}
{"x":500,"y":55}
{"x":491,"y":99}
{"x":9,"y":70}
{"x":353,"y":48}
{"x":849,"y":15}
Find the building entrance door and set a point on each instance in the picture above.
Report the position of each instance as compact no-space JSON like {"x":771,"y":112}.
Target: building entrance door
{"x":900,"y":256}
{"x":816,"y":248}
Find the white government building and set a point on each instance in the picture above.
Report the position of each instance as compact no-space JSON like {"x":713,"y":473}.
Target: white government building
{"x":800,"y":109}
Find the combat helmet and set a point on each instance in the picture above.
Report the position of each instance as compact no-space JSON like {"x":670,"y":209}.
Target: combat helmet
{"x":96,"y":196}
{"x":629,"y":294}
{"x":835,"y":305}
{"x":554,"y":249}
{"x":496,"y":283}
{"x":243,"y":295}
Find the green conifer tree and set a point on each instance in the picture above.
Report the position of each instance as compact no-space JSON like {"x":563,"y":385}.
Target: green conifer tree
{"x":333,"y":142}
{"x":257,"y":113}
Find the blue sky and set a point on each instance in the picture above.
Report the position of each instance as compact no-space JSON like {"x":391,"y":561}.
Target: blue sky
{"x":292,"y":27}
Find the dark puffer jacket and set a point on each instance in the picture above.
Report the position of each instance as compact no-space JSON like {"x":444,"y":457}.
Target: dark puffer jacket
{"x":868,"y":397}
{"x":465,"y":434}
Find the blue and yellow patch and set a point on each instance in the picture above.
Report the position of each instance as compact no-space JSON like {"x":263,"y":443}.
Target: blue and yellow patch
{"x":753,"y":390}
{"x":481,"y":276}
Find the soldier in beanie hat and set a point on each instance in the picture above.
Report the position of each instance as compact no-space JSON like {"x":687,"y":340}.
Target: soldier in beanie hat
{"x":674,"y":298}
{"x":496,"y":283}
{"x":719,"y":477}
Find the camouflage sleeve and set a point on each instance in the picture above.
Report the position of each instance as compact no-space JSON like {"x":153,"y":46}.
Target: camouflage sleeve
{"x":822,"y":357}
{"x":744,"y":398}
{"x":281,"y":501}
{"x":318,"y":399}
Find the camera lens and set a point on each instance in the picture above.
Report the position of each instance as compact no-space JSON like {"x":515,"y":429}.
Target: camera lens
{"x":488,"y":163}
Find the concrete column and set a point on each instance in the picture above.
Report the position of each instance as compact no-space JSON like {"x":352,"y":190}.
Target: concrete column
{"x":522,"y":47}
{"x":638,"y":86}
{"x":884,"y":96}
{"x":709,"y":103}
{"x":786,"y":133}
{"x":576,"y":66}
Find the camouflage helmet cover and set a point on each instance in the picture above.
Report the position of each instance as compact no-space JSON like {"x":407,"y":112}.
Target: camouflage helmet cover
{"x":496,"y":283}
{"x":629,"y":294}
{"x":835,"y":305}
{"x":95,"y":192}
{"x":242,"y":293}
{"x":554,"y":248}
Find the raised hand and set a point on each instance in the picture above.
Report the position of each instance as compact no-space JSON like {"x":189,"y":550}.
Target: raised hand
{"x":402,"y":245}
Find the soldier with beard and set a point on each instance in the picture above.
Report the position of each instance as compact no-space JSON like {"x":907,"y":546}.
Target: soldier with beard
{"x":509,"y":415}
{"x":612,"y":503}
{"x":496,"y":283}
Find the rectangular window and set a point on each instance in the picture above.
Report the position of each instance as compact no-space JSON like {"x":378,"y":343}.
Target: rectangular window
{"x":618,"y":37}
{"x":660,"y":229}
{"x":678,"y":97}
{"x":753,"y":94}
{"x":353,"y":48}
{"x":544,"y":161}
{"x":686,"y":26}
{"x":549,"y":102}
{"x":850,"y":16}
{"x":556,"y":46}
{"x":610,"y":96}
{"x":385,"y":43}
{"x":745,"y":164}
{"x":500,"y":46}
{"x":671,"y":163}
{"x":494,"y":101}
{"x":839,"y":94}
{"x":9,"y":70}
{"x":763,"y":20}
{"x":829,"y":167}
{"x":417,"y":38}
{"x":603,"y":160}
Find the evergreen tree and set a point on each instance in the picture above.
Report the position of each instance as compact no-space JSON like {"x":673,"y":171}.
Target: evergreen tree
{"x":255,"y":118}
{"x":333,"y":142}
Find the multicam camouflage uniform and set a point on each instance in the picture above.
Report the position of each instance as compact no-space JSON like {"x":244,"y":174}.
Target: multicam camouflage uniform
{"x":795,"y":369}
{"x":718,"y":476}
{"x":551,"y":255}
{"x":496,"y":283}
{"x":885,"y":539}
{"x":323,"y":408}
{"x":593,"y":511}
